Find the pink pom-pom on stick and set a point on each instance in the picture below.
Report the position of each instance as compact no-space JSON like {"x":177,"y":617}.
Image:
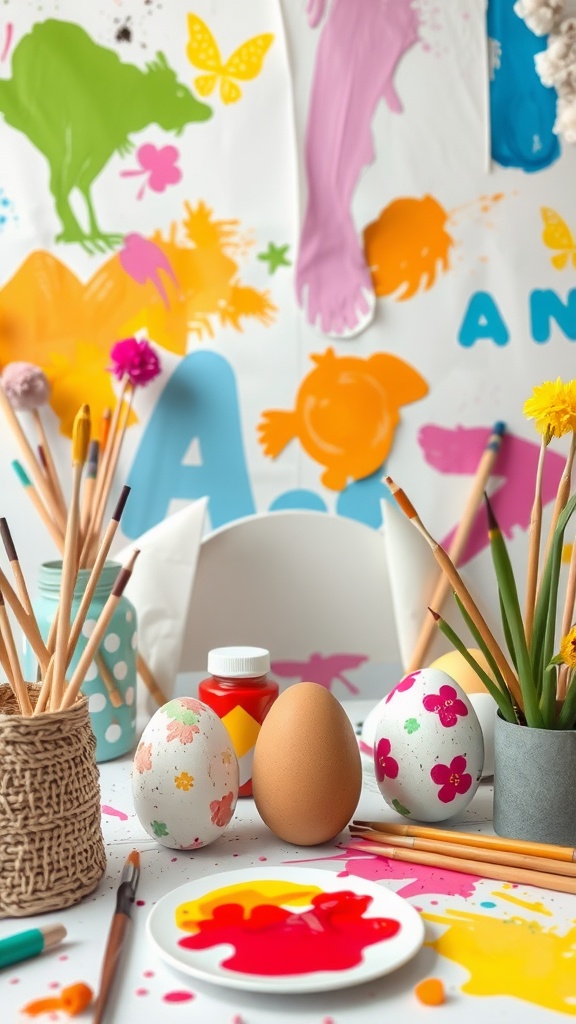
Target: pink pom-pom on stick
{"x":135,"y":364}
{"x":135,"y":360}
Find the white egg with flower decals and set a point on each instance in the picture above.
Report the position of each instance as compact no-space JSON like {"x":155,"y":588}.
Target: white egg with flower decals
{"x":185,"y":775}
{"x":428,"y":747}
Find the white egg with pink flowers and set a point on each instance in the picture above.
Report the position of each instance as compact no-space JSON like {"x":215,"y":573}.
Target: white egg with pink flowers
{"x":428,"y":747}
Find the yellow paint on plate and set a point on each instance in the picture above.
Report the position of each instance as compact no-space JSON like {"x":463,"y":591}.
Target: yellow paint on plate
{"x":257,"y":893}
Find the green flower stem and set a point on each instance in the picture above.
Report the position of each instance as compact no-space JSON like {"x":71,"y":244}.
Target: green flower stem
{"x":507,"y":633}
{"x":498,"y":677}
{"x":503,"y":702}
{"x":513,"y":614}
{"x":567,"y":717}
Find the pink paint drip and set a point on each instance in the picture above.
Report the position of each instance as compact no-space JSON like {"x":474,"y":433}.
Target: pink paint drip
{"x":423,"y":880}
{"x":361,"y":45}
{"x":8,"y":42}
{"x":114,"y":812}
{"x":178,"y":996}
{"x":458,"y":450}
{"x":143,"y":260}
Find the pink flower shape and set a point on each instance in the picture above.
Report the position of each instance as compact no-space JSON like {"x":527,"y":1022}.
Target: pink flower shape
{"x":446,"y":704}
{"x":158,"y":165}
{"x":221,"y":810}
{"x":451,"y":778}
{"x":143,"y":758}
{"x":134,"y":359}
{"x":404,"y":684}
{"x":193,"y":705}
{"x":181,"y":731}
{"x":386,"y":766}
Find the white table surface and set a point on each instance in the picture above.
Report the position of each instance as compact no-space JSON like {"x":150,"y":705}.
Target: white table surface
{"x":481,"y":980}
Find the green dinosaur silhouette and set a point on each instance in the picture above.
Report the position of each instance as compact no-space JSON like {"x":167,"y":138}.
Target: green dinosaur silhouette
{"x":78,"y":103}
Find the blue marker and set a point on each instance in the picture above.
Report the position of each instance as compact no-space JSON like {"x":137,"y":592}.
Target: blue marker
{"x":30,"y":943}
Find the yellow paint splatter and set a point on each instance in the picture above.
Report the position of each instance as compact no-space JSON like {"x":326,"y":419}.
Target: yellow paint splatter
{"x":537,"y":907}
{"x":511,"y":957}
{"x":260,"y":892}
{"x":567,"y":552}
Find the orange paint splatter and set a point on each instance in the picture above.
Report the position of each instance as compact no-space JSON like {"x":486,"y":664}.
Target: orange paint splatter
{"x":406,"y":245}
{"x":511,"y":957}
{"x":346,"y":412}
{"x":430,"y":992}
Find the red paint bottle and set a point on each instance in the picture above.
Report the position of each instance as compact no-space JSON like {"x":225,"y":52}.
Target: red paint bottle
{"x":241,"y":694}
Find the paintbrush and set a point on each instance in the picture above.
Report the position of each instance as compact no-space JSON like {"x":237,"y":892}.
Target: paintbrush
{"x":124,"y":902}
{"x":80,"y":443}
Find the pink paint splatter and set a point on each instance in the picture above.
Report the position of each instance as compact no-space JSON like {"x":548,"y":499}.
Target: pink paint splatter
{"x":143,"y":260}
{"x":262,"y":858}
{"x":142,"y":992}
{"x":458,"y":451}
{"x":8,"y":41}
{"x":140,"y":903}
{"x":114,"y":812}
{"x":14,"y":981}
{"x":423,"y":880}
{"x":147,"y":974}
{"x":178,"y":996}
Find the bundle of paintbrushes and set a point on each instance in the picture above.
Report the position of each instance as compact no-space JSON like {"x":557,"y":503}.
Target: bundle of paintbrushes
{"x":24,"y":391}
{"x":54,"y":655}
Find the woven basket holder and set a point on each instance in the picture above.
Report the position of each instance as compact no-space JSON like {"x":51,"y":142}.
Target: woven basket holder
{"x":51,"y":846}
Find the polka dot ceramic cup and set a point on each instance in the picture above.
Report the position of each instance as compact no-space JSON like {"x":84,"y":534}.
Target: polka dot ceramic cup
{"x":111,"y":701}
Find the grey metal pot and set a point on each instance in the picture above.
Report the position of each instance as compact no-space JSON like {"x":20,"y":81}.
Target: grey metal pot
{"x":535,"y":783}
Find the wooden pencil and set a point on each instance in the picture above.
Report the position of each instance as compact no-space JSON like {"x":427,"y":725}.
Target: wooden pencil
{"x":488,"y":842}
{"x":109,"y":433}
{"x":33,"y":465}
{"x":16,"y":678}
{"x":462,"y":592}
{"x":469,"y":852}
{"x":103,"y":488}
{"x":80,"y":442}
{"x":53,"y":529}
{"x":149,"y":680}
{"x":534,"y":535}
{"x":51,"y":471}
{"x":12,"y":556}
{"x":541,"y":879}
{"x":27,"y":623}
{"x":106,"y":677}
{"x":89,"y":486}
{"x":483,"y":472}
{"x":97,"y":635}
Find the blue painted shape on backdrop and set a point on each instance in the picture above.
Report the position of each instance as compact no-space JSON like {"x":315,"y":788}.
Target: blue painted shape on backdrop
{"x":361,"y":499}
{"x":200,"y":401}
{"x":299,"y":498}
{"x":546,"y":305}
{"x":482,"y":319}
{"x":522,"y":110}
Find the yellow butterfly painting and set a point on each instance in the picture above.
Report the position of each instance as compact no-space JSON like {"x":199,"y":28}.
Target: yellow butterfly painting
{"x":243,"y":65}
{"x":557,"y":235}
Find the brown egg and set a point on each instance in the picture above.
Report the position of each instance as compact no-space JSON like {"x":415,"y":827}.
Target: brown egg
{"x":462,"y":673}
{"x":307,"y":772}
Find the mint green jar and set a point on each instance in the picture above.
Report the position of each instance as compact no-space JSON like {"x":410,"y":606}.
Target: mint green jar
{"x":114,"y":727}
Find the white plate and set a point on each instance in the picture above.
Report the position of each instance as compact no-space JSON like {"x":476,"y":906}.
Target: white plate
{"x":259,"y":952}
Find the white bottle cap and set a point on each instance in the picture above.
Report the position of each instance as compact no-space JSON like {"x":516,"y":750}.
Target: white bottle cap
{"x":238,"y":662}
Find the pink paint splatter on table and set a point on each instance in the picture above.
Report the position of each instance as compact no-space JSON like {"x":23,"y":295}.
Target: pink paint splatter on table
{"x":178,"y":996}
{"x":422,"y":879}
{"x":113,"y":812}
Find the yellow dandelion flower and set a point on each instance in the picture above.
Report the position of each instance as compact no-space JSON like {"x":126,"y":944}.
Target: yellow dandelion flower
{"x":184,"y":781}
{"x":568,"y":648}
{"x":552,"y":406}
